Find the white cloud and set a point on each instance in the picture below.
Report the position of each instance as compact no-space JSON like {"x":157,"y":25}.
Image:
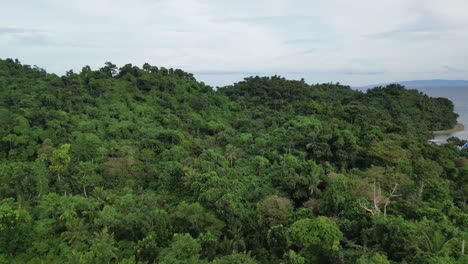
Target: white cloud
{"x":356,"y":42}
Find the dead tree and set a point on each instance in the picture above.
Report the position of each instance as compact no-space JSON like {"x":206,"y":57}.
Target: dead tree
{"x":378,"y":199}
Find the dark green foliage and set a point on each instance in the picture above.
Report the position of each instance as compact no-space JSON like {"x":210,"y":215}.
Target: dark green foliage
{"x":148,"y":165}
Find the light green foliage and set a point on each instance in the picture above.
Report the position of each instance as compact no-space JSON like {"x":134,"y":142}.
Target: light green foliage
{"x":294,"y":258}
{"x":183,"y":250}
{"x":15,"y":227}
{"x":318,"y":232}
{"x":373,"y":259}
{"x":236,"y":258}
{"x":60,"y":159}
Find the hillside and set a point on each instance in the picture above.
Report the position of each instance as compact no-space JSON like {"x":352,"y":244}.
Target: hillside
{"x":148,"y":165}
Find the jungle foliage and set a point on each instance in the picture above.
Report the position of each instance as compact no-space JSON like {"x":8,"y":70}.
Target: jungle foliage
{"x":148,"y":165}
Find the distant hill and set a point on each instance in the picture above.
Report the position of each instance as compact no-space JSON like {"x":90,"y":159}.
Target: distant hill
{"x":427,"y":83}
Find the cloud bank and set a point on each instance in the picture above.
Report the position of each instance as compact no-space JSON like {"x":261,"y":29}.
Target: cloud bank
{"x":354,"y":42}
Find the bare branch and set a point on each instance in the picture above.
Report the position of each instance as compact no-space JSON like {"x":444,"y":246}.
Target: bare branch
{"x":387,"y":201}
{"x":378,"y":198}
{"x":366,"y":208}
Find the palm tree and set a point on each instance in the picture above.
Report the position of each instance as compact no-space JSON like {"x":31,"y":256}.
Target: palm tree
{"x":231,"y":153}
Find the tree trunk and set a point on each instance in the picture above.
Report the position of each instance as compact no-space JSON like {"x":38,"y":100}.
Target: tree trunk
{"x":463,"y":247}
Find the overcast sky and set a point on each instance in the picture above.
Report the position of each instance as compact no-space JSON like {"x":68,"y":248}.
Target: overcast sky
{"x":354,"y":42}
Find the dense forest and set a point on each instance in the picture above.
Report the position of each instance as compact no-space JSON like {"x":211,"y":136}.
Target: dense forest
{"x":149,"y":165}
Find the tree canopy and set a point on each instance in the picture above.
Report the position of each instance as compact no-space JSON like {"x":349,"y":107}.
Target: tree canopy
{"x":149,"y":165}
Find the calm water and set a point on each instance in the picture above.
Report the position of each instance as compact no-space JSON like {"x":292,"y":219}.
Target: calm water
{"x":459,"y":96}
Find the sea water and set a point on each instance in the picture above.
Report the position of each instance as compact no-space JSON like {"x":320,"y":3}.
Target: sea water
{"x":459,"y":97}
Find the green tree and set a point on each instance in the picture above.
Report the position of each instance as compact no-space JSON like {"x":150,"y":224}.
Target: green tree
{"x":321,"y":232}
{"x":373,"y":259}
{"x":183,"y":250}
{"x":15,"y":228}
{"x":236,"y":258}
{"x":60,"y":160}
{"x":194,"y":219}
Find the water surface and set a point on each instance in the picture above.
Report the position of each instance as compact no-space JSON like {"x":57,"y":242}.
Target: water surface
{"x":459,"y":97}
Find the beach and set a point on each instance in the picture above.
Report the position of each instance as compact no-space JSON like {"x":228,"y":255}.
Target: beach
{"x":457,"y":128}
{"x":459,"y":97}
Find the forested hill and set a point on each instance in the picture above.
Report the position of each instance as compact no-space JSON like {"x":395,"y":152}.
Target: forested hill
{"x":148,"y":165}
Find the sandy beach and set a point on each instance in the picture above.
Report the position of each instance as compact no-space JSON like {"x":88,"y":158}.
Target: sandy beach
{"x":457,"y":128}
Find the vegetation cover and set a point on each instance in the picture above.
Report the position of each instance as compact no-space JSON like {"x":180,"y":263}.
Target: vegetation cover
{"x":148,"y":165}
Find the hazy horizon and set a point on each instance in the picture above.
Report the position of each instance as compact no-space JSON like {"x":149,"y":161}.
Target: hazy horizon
{"x":356,"y":43}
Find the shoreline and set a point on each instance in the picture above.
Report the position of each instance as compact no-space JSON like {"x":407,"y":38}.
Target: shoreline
{"x":457,"y":128}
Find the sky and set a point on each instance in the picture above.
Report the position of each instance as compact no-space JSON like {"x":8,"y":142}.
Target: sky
{"x":354,"y":42}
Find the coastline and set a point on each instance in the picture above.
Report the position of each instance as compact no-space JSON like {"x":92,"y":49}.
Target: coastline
{"x":457,"y":128}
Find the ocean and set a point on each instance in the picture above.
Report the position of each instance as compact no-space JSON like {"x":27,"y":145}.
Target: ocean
{"x":459,"y":97}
